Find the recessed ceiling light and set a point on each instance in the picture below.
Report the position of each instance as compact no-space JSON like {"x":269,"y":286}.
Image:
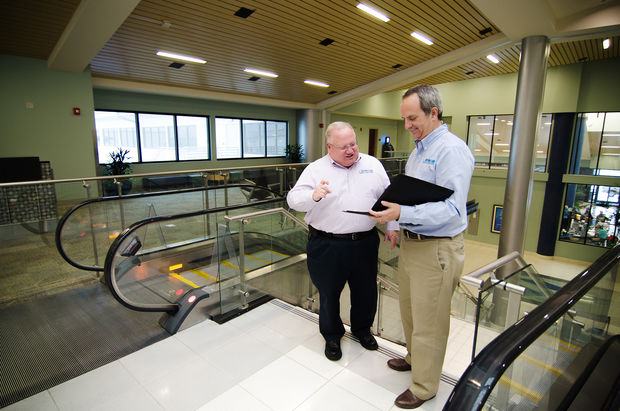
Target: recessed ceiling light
{"x":180,"y":57}
{"x":606,"y":43}
{"x":316,"y":83}
{"x":422,"y":38}
{"x":373,"y":12}
{"x":260,"y":72}
{"x":493,"y":58}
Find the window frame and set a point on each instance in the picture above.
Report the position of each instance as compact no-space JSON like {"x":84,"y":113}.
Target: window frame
{"x":265,"y":153}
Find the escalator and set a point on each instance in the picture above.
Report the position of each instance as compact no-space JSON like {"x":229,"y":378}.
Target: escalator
{"x":562,"y":355}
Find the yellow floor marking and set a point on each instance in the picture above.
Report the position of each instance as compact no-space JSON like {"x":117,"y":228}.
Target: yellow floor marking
{"x":185,"y":280}
{"x":257,"y":259}
{"x":541,"y":364}
{"x":563,"y":345}
{"x":231,"y":265}
{"x":202,"y":274}
{"x":521,"y":390}
{"x":275,"y":252}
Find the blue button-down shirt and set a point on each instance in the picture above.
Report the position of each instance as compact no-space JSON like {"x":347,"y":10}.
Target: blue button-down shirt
{"x":444,"y":159}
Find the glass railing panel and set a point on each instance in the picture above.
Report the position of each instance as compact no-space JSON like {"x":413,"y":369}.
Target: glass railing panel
{"x":388,"y":322}
{"x":542,"y":375}
{"x":31,"y":265}
{"x":263,"y":255}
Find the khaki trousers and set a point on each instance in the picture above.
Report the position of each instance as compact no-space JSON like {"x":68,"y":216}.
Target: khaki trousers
{"x":428,"y":273}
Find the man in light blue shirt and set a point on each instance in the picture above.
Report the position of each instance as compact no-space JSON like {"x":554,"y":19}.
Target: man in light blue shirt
{"x":432,"y":248}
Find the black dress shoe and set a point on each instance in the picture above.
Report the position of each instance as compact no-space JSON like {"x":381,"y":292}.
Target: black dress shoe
{"x":368,"y":342}
{"x":332,"y":350}
{"x":399,"y":364}
{"x":408,"y":400}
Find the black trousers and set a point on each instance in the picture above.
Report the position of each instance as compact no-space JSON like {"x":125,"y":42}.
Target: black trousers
{"x":332,"y":263}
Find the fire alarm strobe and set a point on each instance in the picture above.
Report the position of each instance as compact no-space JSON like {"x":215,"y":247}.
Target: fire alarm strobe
{"x":76,"y":111}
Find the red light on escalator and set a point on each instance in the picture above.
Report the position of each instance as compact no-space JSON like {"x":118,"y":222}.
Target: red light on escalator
{"x":179,"y":291}
{"x":83,"y":234}
{"x":191,"y":299}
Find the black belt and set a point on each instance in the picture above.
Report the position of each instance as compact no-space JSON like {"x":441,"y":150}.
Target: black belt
{"x":349,"y":236}
{"x":415,"y":236}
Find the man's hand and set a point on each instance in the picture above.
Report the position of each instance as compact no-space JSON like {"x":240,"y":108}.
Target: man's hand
{"x":391,"y":213}
{"x":321,"y":190}
{"x":392,"y":237}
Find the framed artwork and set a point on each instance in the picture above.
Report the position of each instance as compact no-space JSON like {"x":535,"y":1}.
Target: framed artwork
{"x":496,"y":224}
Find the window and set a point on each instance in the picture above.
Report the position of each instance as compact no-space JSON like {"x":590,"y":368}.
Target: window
{"x":489,"y":139}
{"x":114,"y":130}
{"x":597,"y":144}
{"x":591,"y":215}
{"x":248,"y":138}
{"x":161,"y":137}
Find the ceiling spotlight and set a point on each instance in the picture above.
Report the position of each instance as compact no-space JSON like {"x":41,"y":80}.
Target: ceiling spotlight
{"x":606,"y":43}
{"x":260,"y":72}
{"x":373,"y":12}
{"x":422,"y":38}
{"x":180,"y":57}
{"x":493,"y":58}
{"x":316,"y":83}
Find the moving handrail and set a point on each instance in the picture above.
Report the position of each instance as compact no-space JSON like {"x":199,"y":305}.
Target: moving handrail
{"x":61,"y":223}
{"x":475,"y":385}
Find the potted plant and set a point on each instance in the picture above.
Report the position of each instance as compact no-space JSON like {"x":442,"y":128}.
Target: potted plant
{"x":117,"y":166}
{"x":294,"y":153}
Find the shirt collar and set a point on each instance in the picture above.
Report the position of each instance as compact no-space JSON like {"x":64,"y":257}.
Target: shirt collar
{"x":431,"y":138}
{"x":359,"y":156}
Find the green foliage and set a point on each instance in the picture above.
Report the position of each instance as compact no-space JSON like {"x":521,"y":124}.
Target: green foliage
{"x":118,"y":164}
{"x":294,"y":153}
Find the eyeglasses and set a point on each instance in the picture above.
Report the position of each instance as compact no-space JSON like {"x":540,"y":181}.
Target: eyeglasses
{"x":344,"y":148}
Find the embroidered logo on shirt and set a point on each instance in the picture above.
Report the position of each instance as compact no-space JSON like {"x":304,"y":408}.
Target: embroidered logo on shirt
{"x":364,"y":171}
{"x":429,"y":161}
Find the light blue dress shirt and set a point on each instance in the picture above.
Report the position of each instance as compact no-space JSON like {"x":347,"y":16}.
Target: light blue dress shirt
{"x":444,"y":159}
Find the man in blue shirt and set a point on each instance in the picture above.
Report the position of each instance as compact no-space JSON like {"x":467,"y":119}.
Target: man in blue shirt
{"x":432,"y":249}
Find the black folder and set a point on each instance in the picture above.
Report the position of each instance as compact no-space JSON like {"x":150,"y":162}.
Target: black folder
{"x":406,"y":190}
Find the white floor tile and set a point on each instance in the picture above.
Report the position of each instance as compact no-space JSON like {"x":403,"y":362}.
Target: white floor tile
{"x":207,"y":336}
{"x":38,"y":402}
{"x":235,"y":399}
{"x":273,"y":339}
{"x":190,"y":387}
{"x":331,"y":397}
{"x":315,"y":361}
{"x":283,"y":384}
{"x":159,"y":358}
{"x":94,"y":388}
{"x":372,"y":365}
{"x":362,"y":387}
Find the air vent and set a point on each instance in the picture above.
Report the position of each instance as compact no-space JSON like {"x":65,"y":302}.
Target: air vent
{"x":332,"y":92}
{"x":485,"y":31}
{"x":176,"y":65}
{"x":395,"y":66}
{"x":582,"y":59}
{"x":326,"y":42}
{"x":253,"y":78}
{"x":469,"y":73}
{"x":244,"y":13}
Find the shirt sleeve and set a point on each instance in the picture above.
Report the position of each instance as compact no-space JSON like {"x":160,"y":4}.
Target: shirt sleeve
{"x":454,"y":170}
{"x":299,"y":198}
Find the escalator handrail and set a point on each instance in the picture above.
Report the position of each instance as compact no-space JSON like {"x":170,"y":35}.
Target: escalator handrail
{"x":127,"y":232}
{"x":72,"y":210}
{"x":477,"y":382}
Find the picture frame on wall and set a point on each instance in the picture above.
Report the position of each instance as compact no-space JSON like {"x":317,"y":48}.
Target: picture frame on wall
{"x":496,"y":223}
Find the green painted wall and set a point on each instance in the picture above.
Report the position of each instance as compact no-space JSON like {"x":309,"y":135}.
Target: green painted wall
{"x":49,"y":130}
{"x":362,"y":125}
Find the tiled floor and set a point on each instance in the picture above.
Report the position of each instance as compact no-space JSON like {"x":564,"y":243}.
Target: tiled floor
{"x":268,"y":359}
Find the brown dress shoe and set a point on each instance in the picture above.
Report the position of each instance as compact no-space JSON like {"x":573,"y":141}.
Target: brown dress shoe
{"x":399,"y":364}
{"x":408,"y":400}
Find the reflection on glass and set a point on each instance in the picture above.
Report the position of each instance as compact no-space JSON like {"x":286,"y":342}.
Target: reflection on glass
{"x":276,"y":138}
{"x":253,"y":138}
{"x":597,"y":144}
{"x":228,"y":137}
{"x":590,"y":215}
{"x":114,"y":130}
{"x":489,"y":139}
{"x":193,"y":136}
{"x":157,"y":137}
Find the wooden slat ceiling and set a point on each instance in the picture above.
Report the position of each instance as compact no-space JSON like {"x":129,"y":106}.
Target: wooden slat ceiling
{"x":279,"y":36}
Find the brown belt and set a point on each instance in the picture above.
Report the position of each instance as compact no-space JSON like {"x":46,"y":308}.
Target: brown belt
{"x":415,"y":236}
